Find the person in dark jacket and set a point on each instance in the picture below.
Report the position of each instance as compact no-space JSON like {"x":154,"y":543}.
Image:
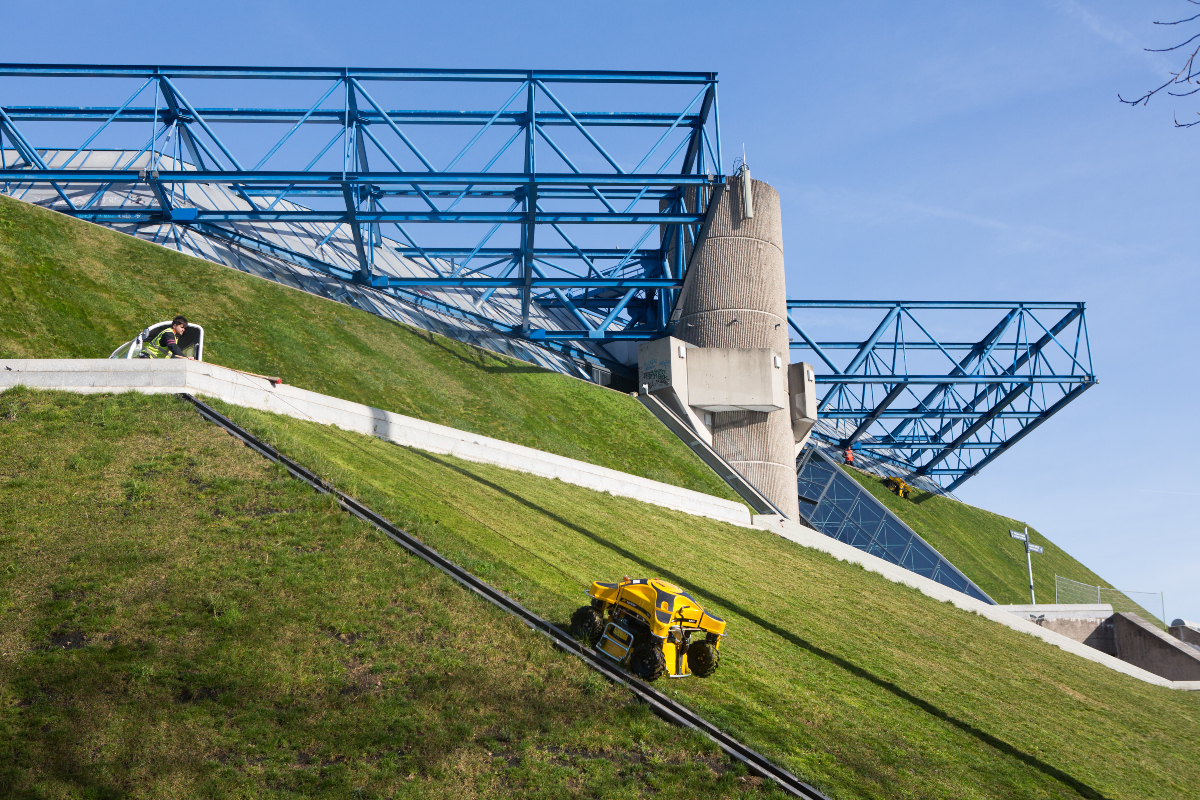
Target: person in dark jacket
{"x":166,"y":344}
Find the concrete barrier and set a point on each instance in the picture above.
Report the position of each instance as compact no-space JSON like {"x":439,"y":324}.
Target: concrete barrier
{"x":174,"y":376}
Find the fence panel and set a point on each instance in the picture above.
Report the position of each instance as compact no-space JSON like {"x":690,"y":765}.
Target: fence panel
{"x":1074,"y":592}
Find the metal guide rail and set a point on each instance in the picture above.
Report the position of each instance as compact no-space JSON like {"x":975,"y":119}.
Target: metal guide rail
{"x":662,"y":705}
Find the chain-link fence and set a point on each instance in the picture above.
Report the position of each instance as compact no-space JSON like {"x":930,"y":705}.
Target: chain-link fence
{"x":1074,"y":592}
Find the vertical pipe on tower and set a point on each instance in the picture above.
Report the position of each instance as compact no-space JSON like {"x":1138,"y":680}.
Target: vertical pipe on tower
{"x":737,"y":297}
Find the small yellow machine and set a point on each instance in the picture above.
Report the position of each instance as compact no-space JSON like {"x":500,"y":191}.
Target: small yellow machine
{"x":651,"y":628}
{"x":898,"y":486}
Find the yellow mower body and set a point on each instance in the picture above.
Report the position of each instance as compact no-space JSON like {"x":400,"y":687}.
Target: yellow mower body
{"x":650,"y":627}
{"x":898,"y":486}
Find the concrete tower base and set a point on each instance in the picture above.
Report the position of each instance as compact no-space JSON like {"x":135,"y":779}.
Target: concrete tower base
{"x":736,"y":297}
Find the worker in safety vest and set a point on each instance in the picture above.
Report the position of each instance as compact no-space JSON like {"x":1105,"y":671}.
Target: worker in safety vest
{"x":849,"y":457}
{"x":166,"y":344}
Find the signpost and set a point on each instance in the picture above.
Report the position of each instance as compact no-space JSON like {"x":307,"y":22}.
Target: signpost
{"x":1029,"y":548}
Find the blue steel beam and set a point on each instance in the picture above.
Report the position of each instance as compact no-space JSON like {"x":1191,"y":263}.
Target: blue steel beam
{"x":144,"y":214}
{"x":315,"y":178}
{"x":546,"y":119}
{"x":359,"y":73}
{"x":1006,"y":384}
{"x":539,"y":283}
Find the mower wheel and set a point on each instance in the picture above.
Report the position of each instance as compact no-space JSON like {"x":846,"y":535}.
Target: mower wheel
{"x":648,"y":662}
{"x":703,"y":658}
{"x":587,"y":625}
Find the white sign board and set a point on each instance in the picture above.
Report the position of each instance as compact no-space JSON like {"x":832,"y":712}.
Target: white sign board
{"x":1034,"y":548}
{"x":1018,"y":535}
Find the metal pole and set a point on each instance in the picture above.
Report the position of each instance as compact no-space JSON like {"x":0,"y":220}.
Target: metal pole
{"x":1029,"y":561}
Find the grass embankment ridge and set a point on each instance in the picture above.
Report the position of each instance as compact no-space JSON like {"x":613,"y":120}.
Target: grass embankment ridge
{"x":864,"y":687}
{"x":182,"y":619}
{"x":71,"y":289}
{"x":978,"y":543}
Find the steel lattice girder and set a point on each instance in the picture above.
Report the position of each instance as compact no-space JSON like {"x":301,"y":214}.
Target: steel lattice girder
{"x":557,"y":185}
{"x":944,"y":409}
{"x":904,"y":398}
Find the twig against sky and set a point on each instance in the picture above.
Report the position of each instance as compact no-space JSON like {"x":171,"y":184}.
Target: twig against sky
{"x":1187,"y":75}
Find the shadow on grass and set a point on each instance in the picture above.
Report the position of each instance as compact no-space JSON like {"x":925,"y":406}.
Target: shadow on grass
{"x":983,"y":736}
{"x":481,"y":362}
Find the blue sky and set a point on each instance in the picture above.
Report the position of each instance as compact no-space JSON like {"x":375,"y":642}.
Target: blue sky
{"x":923,"y":150}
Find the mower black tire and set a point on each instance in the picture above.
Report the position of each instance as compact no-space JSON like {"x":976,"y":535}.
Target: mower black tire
{"x":648,"y":662}
{"x":587,"y":625}
{"x":703,"y":658}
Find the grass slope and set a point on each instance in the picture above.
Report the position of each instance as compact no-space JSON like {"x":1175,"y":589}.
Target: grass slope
{"x":75,"y":290}
{"x":182,"y":619}
{"x":864,"y":687}
{"x":977,"y":542}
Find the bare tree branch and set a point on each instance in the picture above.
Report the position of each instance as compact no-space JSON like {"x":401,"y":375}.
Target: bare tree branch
{"x":1178,"y":21}
{"x":1187,"y":76}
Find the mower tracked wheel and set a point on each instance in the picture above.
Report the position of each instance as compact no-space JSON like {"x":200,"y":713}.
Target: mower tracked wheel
{"x":648,"y":662}
{"x":587,"y":625}
{"x":703,"y":658}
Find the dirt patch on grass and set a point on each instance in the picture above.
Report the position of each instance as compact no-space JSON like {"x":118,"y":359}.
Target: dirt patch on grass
{"x":67,"y":640}
{"x":360,"y":679}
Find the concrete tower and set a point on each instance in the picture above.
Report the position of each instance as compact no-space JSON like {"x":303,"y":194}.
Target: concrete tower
{"x":737,"y":298}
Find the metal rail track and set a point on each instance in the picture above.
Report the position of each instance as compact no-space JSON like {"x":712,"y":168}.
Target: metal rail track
{"x":662,"y":705}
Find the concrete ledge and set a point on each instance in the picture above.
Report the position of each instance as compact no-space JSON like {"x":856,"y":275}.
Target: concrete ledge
{"x":808,"y":537}
{"x":174,"y":376}
{"x":1062,"y":611}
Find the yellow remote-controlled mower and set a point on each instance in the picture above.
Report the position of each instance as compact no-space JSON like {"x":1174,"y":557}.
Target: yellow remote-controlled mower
{"x":651,"y":628}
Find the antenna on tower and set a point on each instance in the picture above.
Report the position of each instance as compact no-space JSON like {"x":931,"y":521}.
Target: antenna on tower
{"x":743,"y":171}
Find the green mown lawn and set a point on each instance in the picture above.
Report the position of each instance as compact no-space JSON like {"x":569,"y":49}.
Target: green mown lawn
{"x":977,"y":542}
{"x":70,"y":289}
{"x":864,"y":687}
{"x":182,"y":619}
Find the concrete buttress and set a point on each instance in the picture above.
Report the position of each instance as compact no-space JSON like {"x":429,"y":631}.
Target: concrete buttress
{"x":736,"y":297}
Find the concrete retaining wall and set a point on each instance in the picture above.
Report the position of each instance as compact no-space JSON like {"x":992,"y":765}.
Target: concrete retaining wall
{"x":1144,"y":645}
{"x":175,"y":376}
{"x":1086,"y":624}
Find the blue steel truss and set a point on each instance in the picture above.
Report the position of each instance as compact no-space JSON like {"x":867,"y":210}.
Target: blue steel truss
{"x":584,"y":209}
{"x":532,"y":179}
{"x":896,"y":389}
